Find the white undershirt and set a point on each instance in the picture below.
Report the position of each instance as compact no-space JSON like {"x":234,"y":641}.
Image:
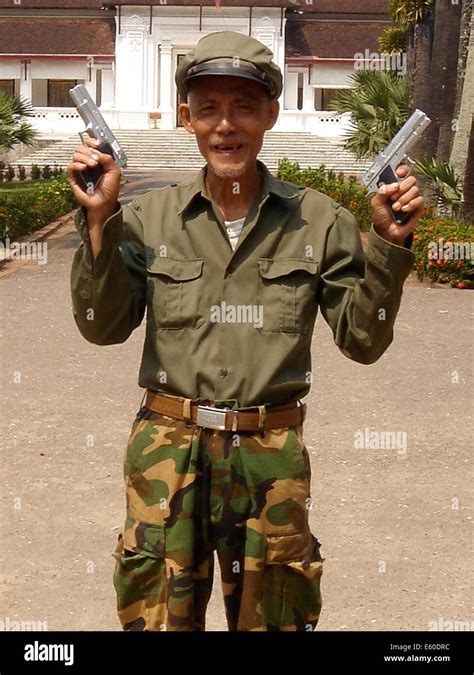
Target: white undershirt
{"x":233,"y":229}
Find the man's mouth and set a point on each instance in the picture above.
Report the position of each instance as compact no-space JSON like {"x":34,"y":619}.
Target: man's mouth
{"x":227,"y":148}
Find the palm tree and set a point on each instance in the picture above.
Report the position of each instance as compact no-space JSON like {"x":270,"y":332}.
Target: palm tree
{"x":13,"y":127}
{"x":378,"y":104}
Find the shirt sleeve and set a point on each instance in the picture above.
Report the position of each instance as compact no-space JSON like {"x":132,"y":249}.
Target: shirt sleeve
{"x":359,"y":294}
{"x":109,"y":293}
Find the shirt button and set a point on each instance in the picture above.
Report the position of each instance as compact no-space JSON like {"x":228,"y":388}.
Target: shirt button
{"x":223,"y":372}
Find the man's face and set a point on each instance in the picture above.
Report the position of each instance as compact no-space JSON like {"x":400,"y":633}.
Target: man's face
{"x":229,"y":116}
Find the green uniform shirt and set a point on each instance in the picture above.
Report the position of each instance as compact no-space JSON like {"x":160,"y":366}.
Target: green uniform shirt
{"x":236,"y":325}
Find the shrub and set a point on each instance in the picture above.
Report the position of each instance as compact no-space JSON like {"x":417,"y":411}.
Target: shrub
{"x":57,"y":170}
{"x":35,"y":172}
{"x":393,"y":40}
{"x":21,"y":172}
{"x":10,"y":173}
{"x":444,"y":184}
{"x":346,"y":191}
{"x":22,"y":211}
{"x":2,"y":176}
{"x":47,"y":173}
{"x":443,"y":248}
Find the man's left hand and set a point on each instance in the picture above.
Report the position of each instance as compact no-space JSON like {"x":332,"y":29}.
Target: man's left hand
{"x":404,"y":196}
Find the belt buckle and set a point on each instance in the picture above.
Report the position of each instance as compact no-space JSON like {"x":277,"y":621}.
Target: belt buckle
{"x":210,"y":417}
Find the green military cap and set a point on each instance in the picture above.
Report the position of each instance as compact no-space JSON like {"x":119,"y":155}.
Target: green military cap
{"x":230,"y":53}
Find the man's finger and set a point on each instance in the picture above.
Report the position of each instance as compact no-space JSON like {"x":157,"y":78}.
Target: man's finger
{"x":406,"y":184}
{"x":414,"y":205}
{"x":90,"y":160}
{"x":402,"y":170}
{"x":92,"y":142}
{"x":403,"y":200}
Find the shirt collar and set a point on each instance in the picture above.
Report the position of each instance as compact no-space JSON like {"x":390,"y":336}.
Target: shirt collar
{"x":271,"y":185}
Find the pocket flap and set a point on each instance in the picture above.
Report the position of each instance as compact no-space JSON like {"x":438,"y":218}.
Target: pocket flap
{"x":271,"y":268}
{"x":288,"y":547}
{"x":178,"y":270}
{"x":145,"y":538}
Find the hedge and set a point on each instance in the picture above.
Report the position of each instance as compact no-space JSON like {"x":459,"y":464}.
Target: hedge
{"x":23,"y":211}
{"x":446,"y":238}
{"x":346,"y":191}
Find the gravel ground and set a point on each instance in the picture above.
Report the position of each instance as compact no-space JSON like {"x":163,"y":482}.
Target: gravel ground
{"x":395,"y":524}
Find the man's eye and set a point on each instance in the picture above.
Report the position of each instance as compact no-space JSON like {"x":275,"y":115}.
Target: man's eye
{"x":207,"y":108}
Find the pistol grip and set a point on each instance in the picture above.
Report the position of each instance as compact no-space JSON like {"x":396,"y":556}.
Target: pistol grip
{"x":90,"y":178}
{"x":386,"y":177}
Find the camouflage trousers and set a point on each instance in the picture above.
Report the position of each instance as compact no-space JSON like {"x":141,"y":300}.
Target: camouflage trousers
{"x":191,"y":491}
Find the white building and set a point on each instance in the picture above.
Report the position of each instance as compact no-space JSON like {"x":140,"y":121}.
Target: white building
{"x":126,"y":54}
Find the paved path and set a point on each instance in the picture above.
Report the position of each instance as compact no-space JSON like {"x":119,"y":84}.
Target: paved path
{"x":395,"y":525}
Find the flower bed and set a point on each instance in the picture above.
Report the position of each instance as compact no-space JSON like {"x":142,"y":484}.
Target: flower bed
{"x":25,"y":210}
{"x":444,"y":250}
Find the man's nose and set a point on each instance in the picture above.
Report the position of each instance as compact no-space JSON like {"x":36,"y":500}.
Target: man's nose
{"x":226,"y":122}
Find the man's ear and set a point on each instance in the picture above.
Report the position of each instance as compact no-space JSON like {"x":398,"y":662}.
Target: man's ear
{"x":185,"y":115}
{"x":273,"y":112}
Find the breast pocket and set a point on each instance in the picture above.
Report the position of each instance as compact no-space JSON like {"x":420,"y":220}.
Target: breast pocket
{"x":287,"y":293}
{"x":175,"y":290}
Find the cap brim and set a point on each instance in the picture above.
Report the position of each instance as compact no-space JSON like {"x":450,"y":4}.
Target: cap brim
{"x":228,"y":70}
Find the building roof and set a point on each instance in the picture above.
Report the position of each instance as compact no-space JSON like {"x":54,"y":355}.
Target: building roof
{"x":318,"y":6}
{"x":332,"y":39}
{"x":92,"y":37}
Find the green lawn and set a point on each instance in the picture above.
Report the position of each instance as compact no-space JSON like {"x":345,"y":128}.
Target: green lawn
{"x":19,"y":185}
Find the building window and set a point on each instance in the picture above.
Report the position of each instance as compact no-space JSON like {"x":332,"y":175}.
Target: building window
{"x":327,"y":96}
{"x":58,"y":93}
{"x":7,"y":87}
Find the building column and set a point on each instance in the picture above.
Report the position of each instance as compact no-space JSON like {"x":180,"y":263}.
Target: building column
{"x":291,"y":91}
{"x":166,"y":72}
{"x":308,"y":93}
{"x":108,"y":94}
{"x":91,"y":85}
{"x":25,"y":80}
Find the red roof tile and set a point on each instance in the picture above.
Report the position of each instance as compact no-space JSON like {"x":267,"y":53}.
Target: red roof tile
{"x":320,"y":6}
{"x":332,"y":39}
{"x":94,"y":37}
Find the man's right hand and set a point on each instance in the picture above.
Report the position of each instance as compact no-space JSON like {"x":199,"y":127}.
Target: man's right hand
{"x":101,"y":204}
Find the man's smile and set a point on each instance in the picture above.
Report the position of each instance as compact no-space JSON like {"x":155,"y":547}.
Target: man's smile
{"x":227,"y":148}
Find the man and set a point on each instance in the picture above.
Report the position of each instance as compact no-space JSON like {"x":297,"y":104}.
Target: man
{"x":231,"y":268}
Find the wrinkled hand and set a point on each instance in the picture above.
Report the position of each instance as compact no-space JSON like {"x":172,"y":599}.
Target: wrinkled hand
{"x":403,"y":196}
{"x":104,"y":199}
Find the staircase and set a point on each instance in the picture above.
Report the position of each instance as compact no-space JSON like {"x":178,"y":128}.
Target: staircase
{"x":176,"y":150}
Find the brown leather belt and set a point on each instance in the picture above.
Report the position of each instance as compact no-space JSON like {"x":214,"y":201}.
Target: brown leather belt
{"x":225,"y":419}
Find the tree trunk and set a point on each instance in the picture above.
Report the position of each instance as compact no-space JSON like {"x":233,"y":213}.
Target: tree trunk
{"x":444,"y":67}
{"x":422,"y":86}
{"x":464,"y":36}
{"x":465,"y":94}
{"x":467,"y":211}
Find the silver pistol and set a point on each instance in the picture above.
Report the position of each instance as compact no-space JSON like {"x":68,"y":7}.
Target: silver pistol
{"x":97,"y":128}
{"x":382,"y":171}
